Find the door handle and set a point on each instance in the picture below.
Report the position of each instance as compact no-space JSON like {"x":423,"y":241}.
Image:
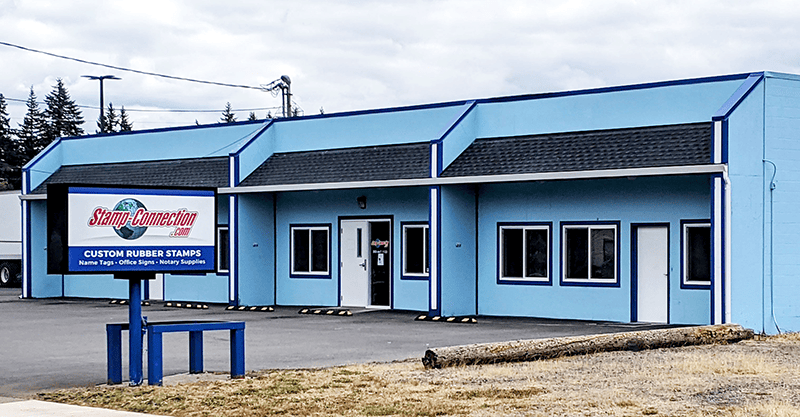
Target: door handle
{"x":363,"y":264}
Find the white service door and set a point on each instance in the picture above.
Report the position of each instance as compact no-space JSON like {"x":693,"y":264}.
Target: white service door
{"x":354,"y":255}
{"x":652,"y":275}
{"x":157,"y":287}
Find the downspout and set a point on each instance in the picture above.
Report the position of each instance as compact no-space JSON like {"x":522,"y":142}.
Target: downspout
{"x":772,"y":187}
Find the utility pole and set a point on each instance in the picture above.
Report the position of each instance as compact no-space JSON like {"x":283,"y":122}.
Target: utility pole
{"x":286,"y":88}
{"x":285,"y":85}
{"x":102,"y":107}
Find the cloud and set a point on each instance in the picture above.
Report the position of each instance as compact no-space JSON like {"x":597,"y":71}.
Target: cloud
{"x":349,"y":55}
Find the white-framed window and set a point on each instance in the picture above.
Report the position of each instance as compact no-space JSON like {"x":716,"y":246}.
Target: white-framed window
{"x":223,"y":250}
{"x":416,"y":253}
{"x":524,"y":251}
{"x":696,"y":255}
{"x":590,"y":253}
{"x":310,"y":250}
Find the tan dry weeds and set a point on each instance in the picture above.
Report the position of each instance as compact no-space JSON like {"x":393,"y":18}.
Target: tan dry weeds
{"x":754,"y":378}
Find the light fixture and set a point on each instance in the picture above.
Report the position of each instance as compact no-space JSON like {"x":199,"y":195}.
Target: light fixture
{"x":362,"y":202}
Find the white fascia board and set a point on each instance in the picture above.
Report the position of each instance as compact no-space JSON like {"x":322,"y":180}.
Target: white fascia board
{"x":33,"y":197}
{"x":486,"y":179}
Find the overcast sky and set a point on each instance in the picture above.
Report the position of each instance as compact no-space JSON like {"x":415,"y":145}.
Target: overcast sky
{"x":351,"y":55}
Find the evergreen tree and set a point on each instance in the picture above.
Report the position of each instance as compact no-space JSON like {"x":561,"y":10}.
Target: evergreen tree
{"x":125,"y":125}
{"x":8,"y":153}
{"x":227,"y":114}
{"x":108,"y":122}
{"x":62,"y":114}
{"x":252,"y":116}
{"x":31,"y":133}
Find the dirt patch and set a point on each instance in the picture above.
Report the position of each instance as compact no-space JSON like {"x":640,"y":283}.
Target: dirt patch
{"x":758,"y":377}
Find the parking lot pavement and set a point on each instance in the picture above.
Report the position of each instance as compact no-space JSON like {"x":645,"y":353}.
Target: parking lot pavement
{"x":58,"y":343}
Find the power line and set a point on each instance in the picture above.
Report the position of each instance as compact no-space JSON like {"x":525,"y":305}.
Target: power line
{"x":157,"y":110}
{"x":172,"y":77}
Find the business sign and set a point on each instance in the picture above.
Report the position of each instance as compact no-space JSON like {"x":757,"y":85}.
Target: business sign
{"x":93,"y":229}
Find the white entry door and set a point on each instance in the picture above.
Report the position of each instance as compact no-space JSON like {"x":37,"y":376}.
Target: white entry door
{"x":652,"y":274}
{"x":354,"y":255}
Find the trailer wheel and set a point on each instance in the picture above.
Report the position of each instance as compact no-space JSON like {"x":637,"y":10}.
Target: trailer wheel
{"x":5,"y":274}
{"x":8,"y":274}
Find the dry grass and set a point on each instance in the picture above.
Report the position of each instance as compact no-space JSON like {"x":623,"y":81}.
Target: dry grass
{"x":754,"y":378}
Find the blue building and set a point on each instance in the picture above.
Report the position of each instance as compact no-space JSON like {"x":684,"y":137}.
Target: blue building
{"x":662,"y":202}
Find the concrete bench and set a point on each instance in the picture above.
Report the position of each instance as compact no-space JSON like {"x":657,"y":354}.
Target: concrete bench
{"x":155,"y":361}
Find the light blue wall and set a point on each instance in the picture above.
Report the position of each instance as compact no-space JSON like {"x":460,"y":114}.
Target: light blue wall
{"x":783,"y":148}
{"x":254,"y":153}
{"x":370,"y":129}
{"x":256,"y":240}
{"x":745,"y":152}
{"x":42,"y":284}
{"x":192,"y":142}
{"x":458,"y":251}
{"x":684,"y":103}
{"x":46,"y":163}
{"x":464,"y":131}
{"x":405,"y":204}
{"x":382,"y":128}
{"x":206,"y":288}
{"x":641,"y":200}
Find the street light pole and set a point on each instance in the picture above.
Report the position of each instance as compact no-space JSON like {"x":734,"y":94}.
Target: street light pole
{"x":102,"y":108}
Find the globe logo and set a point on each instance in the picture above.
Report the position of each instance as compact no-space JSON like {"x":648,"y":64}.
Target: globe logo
{"x":129,"y":232}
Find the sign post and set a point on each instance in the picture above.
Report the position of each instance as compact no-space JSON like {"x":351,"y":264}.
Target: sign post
{"x":135,"y":331}
{"x":132,"y":233}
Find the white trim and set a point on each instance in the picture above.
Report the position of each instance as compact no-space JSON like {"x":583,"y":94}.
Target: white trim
{"x":231,"y":173}
{"x":590,"y":227}
{"x":544,"y":176}
{"x":435,"y":160}
{"x":219,"y":250}
{"x":26,"y":292}
{"x":310,"y":271}
{"x":31,"y":197}
{"x":425,"y":254}
{"x":727,"y":239}
{"x":685,"y":251}
{"x":434,"y":229}
{"x":501,"y":259}
{"x":718,"y":142}
{"x":232,"y":248}
{"x":717,"y":271}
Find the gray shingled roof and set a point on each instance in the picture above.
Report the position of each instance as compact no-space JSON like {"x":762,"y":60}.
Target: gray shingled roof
{"x":655,"y":146}
{"x":195,"y":172}
{"x":369,"y":163}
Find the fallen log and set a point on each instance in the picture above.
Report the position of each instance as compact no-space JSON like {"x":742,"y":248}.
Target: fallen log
{"x":536,"y":349}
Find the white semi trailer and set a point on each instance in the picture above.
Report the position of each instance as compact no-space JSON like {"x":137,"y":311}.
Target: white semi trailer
{"x":10,"y":238}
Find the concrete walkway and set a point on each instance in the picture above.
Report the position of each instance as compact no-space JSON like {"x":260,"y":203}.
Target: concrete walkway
{"x":34,"y":408}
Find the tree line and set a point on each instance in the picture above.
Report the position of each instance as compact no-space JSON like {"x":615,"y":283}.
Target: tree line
{"x":61,"y":117}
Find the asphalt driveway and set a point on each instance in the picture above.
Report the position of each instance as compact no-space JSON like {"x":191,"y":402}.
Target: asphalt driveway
{"x":57,"y":343}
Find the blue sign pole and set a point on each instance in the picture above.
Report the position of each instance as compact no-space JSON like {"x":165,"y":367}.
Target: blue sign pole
{"x":135,"y":330}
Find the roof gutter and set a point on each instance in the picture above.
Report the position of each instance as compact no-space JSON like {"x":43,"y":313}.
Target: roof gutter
{"x":481,"y":179}
{"x":486,"y":179}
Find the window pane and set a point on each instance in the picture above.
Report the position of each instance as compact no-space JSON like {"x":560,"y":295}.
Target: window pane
{"x":415,"y":250}
{"x":512,"y":252}
{"x":603,"y":248}
{"x":301,"y":250}
{"x":536,"y":253}
{"x":319,"y":250}
{"x":223,"y":250}
{"x":577,"y":252}
{"x":699,"y":253}
{"x":359,"y":236}
{"x":427,"y":250}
